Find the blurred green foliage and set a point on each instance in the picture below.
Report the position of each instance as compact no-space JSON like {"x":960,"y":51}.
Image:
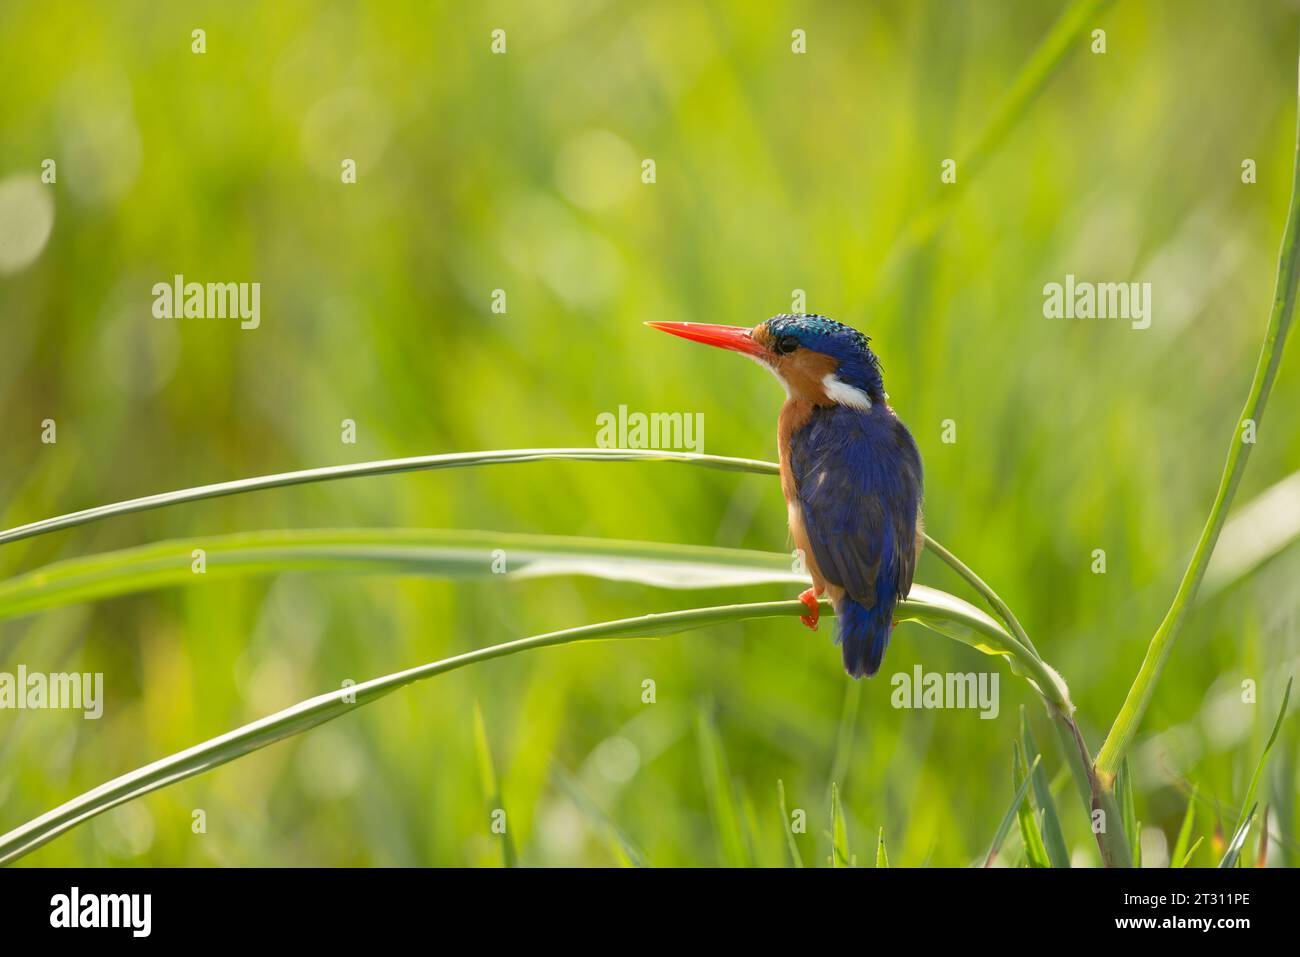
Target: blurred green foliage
{"x":522,"y":172}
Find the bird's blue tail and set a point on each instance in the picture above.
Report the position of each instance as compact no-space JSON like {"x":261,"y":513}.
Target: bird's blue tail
{"x":863,"y":635}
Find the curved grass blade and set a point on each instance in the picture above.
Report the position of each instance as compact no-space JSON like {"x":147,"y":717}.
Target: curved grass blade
{"x":418,"y":463}
{"x":1001,"y":834}
{"x":1190,"y":851}
{"x":442,"y":553}
{"x":1263,"y":758}
{"x":1044,"y":678}
{"x":937,"y":611}
{"x":1053,"y":839}
{"x":1238,"y":840}
{"x":882,"y":859}
{"x":493,"y":804}
{"x":433,"y":462}
{"x":795,"y":856}
{"x":1111,"y":843}
{"x":1182,"y":852}
{"x":962,"y":621}
{"x":840,"y":856}
{"x":461,"y":554}
{"x":326,"y":707}
{"x":720,"y":792}
{"x":1030,"y":834}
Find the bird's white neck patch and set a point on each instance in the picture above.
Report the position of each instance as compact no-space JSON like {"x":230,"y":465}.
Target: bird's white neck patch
{"x":845,"y":394}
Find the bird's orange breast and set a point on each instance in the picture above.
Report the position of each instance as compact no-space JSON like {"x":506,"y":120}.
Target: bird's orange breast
{"x":794,"y":416}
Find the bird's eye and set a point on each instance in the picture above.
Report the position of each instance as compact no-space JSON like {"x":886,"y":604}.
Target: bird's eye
{"x":786,"y":345}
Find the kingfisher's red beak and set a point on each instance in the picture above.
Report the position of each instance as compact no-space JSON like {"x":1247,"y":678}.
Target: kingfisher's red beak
{"x":735,"y":338}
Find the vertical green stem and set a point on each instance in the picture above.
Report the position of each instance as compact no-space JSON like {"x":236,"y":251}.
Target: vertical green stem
{"x":1111,"y":840}
{"x":1162,"y":643}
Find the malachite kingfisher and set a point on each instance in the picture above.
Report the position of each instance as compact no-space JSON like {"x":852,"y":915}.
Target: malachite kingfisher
{"x":850,"y":472}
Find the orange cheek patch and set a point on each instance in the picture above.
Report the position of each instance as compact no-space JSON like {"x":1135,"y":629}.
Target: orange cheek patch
{"x":803,"y":371}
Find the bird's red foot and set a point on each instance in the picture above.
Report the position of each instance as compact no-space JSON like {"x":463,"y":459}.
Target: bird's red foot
{"x":809,"y":598}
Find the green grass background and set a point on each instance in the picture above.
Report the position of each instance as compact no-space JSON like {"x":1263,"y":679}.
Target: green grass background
{"x":522,"y":172}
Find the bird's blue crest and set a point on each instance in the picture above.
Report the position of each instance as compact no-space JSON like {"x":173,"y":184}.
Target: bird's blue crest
{"x":858,"y":365}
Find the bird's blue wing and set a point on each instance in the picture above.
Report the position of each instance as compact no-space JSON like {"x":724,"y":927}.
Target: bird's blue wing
{"x":858,"y":480}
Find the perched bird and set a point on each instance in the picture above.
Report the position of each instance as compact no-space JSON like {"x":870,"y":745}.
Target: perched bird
{"x":850,"y":472}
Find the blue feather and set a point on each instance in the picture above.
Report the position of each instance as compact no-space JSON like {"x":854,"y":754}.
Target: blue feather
{"x":858,"y":480}
{"x":863,"y":635}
